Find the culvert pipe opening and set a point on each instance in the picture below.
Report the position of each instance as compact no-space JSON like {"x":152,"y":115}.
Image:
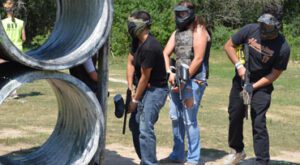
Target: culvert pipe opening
{"x":79,"y":126}
{"x":80,"y":30}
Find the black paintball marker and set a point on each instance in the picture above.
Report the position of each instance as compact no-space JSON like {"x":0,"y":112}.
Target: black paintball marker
{"x":247,"y":92}
{"x":182,"y":75}
{"x":121,"y":109}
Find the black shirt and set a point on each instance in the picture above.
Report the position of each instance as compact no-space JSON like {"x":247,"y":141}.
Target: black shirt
{"x":264,"y":54}
{"x":149,"y":54}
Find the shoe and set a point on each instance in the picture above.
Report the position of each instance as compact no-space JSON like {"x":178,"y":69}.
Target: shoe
{"x":190,"y":163}
{"x":234,"y":157}
{"x":168,"y":160}
{"x":14,"y":95}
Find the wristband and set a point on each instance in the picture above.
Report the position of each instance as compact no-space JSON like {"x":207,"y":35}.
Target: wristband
{"x":135,"y":101}
{"x":238,"y":65}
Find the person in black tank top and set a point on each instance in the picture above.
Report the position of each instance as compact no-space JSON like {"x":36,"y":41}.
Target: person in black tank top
{"x":191,"y":43}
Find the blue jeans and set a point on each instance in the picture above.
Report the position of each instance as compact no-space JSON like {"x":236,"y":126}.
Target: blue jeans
{"x":147,"y":115}
{"x":184,"y":120}
{"x":135,"y":132}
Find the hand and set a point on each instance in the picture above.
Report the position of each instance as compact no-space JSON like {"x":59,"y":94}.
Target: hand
{"x":172,"y":78}
{"x":132,"y":90}
{"x":242,"y":72}
{"x":132,"y":107}
{"x":175,"y":89}
{"x":246,"y":97}
{"x":248,"y":88}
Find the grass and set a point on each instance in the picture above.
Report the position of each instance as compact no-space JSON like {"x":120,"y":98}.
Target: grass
{"x":282,"y":118}
{"x":35,"y":112}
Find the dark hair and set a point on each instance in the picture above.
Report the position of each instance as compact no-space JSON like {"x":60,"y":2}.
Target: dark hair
{"x":187,"y":4}
{"x":274,"y":9}
{"x":145,"y":16}
{"x":4,"y":1}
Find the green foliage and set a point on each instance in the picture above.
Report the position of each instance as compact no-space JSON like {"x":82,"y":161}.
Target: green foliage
{"x":291,"y":26}
{"x":223,"y":18}
{"x":293,"y":37}
{"x":38,"y":40}
{"x":40,"y":19}
{"x":160,"y":11}
{"x":234,"y":13}
{"x":220,"y":35}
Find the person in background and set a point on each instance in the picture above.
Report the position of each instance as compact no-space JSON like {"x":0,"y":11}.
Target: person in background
{"x":87,"y":73}
{"x":14,"y":28}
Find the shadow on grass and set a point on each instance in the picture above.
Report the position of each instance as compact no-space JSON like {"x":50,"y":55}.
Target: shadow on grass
{"x":11,"y":158}
{"x":111,"y":157}
{"x":209,"y":154}
{"x":215,"y":157}
{"x":251,"y":161}
{"x":31,"y":94}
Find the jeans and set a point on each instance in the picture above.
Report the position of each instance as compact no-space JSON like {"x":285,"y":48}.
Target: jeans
{"x":135,"y":132}
{"x":261,"y":100}
{"x":147,"y":115}
{"x":184,"y":120}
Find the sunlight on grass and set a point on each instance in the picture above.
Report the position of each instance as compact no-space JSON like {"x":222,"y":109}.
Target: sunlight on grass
{"x":35,"y":113}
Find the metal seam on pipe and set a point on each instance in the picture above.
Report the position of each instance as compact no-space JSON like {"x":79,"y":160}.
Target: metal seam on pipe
{"x":80,"y":120}
{"x":80,"y":30}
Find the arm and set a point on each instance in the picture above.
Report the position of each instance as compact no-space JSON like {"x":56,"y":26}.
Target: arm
{"x":200,"y":41}
{"x":130,"y":71}
{"x":23,"y":35}
{"x":167,"y":54}
{"x":230,"y":50}
{"x":267,"y":80}
{"x":93,"y":75}
{"x":169,"y":50}
{"x":143,"y":83}
{"x":90,"y":69}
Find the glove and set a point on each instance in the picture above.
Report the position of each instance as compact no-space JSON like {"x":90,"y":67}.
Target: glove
{"x":248,"y":88}
{"x":246,"y":94}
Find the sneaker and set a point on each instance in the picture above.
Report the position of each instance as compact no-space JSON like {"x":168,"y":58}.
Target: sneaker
{"x":167,"y":160}
{"x":234,"y":157}
{"x":14,"y":95}
{"x":190,"y":163}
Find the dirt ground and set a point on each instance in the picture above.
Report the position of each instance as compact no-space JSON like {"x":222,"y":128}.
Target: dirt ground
{"x":117,"y":154}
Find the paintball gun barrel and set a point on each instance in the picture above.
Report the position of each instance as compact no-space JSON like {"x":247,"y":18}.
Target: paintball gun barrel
{"x":247,"y":86}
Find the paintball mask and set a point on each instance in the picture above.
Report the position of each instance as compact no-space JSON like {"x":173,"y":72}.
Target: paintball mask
{"x":269,"y":26}
{"x":119,"y":106}
{"x":184,"y":17}
{"x":136,"y":26}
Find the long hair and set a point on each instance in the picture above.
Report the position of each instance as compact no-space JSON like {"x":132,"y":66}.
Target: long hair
{"x":13,"y":8}
{"x":19,"y":9}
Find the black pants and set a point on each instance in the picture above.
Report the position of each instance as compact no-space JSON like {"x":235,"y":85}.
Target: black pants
{"x":260,"y":103}
{"x":135,"y":131}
